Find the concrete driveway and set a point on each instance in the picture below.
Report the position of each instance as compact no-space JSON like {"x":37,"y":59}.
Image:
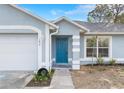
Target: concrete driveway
{"x":14,"y":80}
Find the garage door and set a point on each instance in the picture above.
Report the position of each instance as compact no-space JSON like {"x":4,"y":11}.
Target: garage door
{"x":18,"y":51}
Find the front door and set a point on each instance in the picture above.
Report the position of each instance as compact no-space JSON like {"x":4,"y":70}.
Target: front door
{"x":62,"y":50}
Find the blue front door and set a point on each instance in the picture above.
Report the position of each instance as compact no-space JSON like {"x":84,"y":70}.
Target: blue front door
{"x":61,"y":50}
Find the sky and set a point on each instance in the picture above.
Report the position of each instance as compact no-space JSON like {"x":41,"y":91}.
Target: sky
{"x":54,"y":11}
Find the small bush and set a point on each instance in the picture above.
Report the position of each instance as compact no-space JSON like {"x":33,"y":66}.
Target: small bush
{"x":40,"y":77}
{"x":112,"y":61}
{"x":100,"y":60}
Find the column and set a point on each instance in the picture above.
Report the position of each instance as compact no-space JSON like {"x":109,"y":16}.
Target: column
{"x":47,"y":47}
{"x":76,"y":52}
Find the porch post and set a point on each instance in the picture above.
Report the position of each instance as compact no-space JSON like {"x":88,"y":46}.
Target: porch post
{"x":76,"y":51}
{"x":47,"y":47}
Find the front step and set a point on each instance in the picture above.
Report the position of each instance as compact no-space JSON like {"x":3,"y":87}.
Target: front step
{"x":61,"y":66}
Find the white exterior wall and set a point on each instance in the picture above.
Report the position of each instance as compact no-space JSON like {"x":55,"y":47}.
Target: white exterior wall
{"x":11,"y":16}
{"x":76,"y":52}
{"x":68,"y":29}
{"x":116,"y":47}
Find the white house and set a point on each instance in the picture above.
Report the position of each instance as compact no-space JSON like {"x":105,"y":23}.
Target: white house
{"x":29,"y":42}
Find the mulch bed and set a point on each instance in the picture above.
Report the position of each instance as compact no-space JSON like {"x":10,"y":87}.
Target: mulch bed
{"x":99,"y":77}
{"x":33,"y":83}
{"x":119,"y":64}
{"x":42,"y":83}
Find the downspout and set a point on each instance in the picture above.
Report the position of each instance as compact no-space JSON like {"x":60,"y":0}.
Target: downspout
{"x":54,"y":33}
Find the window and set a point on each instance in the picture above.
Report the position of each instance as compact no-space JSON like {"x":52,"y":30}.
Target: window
{"x":97,"y":46}
{"x":91,"y":47}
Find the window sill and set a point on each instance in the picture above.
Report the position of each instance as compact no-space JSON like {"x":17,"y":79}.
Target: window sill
{"x":94,"y":59}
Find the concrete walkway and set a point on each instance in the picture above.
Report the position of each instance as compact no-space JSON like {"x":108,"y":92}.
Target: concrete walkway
{"x":62,"y":79}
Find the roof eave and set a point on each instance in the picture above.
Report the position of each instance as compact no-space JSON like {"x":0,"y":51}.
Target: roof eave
{"x":100,"y":33}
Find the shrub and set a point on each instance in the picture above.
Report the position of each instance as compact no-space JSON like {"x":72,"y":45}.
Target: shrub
{"x":100,"y":60}
{"x":40,"y":77}
{"x":112,"y":61}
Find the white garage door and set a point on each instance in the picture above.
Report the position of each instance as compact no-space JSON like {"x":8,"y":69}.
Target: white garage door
{"x":18,"y":51}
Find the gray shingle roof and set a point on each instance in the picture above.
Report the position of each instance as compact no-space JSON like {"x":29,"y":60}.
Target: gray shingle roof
{"x":102,"y":27}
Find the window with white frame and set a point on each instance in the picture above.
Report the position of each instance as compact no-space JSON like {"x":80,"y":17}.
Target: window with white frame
{"x":97,"y":46}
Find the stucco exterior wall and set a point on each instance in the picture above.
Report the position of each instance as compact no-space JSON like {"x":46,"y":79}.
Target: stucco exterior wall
{"x":66,"y":28}
{"x":72,"y":32}
{"x":117,"y":49}
{"x":12,"y":16}
{"x":118,"y":46}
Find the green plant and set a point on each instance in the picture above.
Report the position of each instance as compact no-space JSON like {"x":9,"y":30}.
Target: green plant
{"x":100,"y":60}
{"x":50,"y":73}
{"x":37,"y":77}
{"x":112,"y":61}
{"x":41,"y":77}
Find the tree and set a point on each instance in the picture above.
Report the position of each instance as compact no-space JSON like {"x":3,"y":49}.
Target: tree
{"x":120,"y":18}
{"x":107,"y":13}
